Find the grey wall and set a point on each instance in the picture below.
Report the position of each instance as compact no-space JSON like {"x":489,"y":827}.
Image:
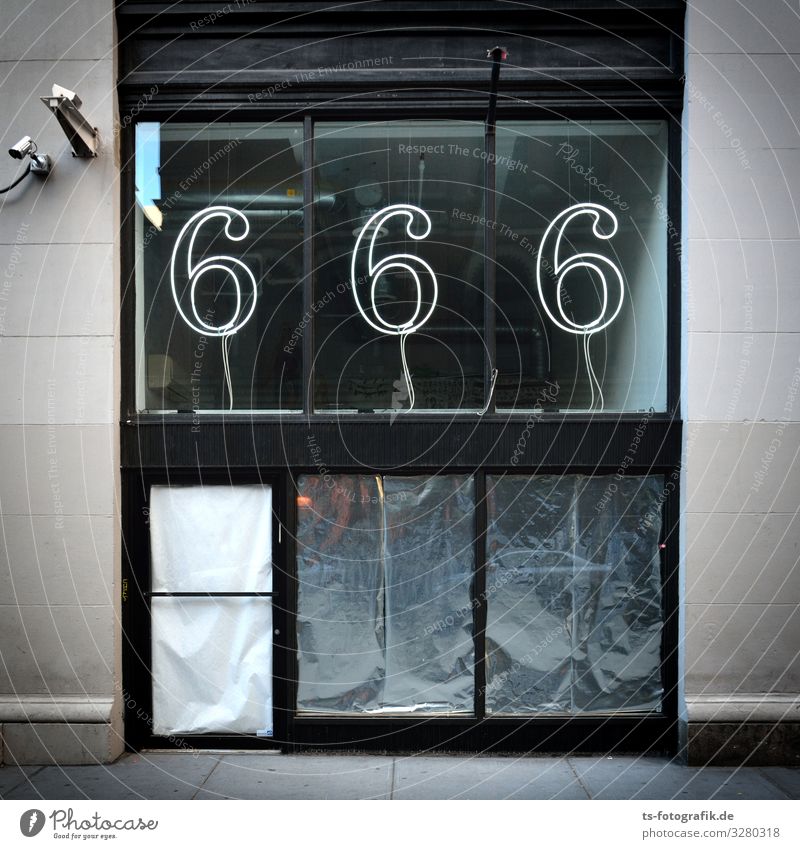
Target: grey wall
{"x":742,"y":376}
{"x":59,"y":550}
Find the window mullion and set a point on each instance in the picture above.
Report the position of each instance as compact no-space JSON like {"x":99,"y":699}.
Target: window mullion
{"x":308,"y":263}
{"x":489,"y":271}
{"x":479,"y":597}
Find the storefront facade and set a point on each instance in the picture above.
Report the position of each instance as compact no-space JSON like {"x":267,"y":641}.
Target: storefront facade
{"x":416,"y":365}
{"x":351,"y":408}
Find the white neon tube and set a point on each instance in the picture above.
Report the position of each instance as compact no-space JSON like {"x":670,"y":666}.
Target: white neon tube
{"x":406,"y":262}
{"x":227,"y":264}
{"x":596,"y":263}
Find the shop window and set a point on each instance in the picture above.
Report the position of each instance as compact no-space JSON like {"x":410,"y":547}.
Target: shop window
{"x":211,"y":654}
{"x":397,"y":305}
{"x":385,"y":620}
{"x":593,"y":336}
{"x":219,"y":230}
{"x":573,"y":586}
{"x":365,"y":358}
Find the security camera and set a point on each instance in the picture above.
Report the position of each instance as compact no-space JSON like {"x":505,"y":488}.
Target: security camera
{"x":24,"y":147}
{"x":66,"y":106}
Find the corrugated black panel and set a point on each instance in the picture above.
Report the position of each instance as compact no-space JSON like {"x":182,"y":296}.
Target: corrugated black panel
{"x":620,"y":734}
{"x":415,"y":445}
{"x":374,"y":47}
{"x":655,"y":735}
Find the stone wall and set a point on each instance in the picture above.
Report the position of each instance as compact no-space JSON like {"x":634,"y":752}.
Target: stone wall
{"x":60,"y":546}
{"x":741,"y":534}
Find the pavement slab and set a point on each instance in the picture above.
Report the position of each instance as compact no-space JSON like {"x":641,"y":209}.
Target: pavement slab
{"x":787,"y":778}
{"x":660,"y":778}
{"x":269,"y":775}
{"x":300,"y":777}
{"x":13,"y":776}
{"x":141,"y":776}
{"x":419,"y":777}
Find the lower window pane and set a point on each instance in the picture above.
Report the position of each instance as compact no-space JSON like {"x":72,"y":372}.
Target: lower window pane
{"x":341,"y":663}
{"x":573,"y":588}
{"x":430,"y":557}
{"x":385,"y":566}
{"x":212,"y":666}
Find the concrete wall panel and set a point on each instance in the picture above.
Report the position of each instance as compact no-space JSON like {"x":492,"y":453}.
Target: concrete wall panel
{"x":743,"y":557}
{"x":750,"y":286}
{"x":45,"y":561}
{"x":59,"y":491}
{"x":740,"y":26}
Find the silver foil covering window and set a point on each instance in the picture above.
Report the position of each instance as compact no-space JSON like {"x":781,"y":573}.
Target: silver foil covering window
{"x":573,"y":589}
{"x":385,"y":620}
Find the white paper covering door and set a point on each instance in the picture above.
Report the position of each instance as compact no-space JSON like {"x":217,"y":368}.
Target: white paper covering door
{"x":211,"y":657}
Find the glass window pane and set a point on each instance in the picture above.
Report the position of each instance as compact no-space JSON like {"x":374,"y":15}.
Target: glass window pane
{"x":211,"y":657}
{"x":435,"y":170}
{"x":597,"y":341}
{"x":573,"y":585}
{"x":219,"y":268}
{"x":385,"y":567}
{"x":528,"y":575}
{"x":340,"y":635}
{"x":430,"y":560}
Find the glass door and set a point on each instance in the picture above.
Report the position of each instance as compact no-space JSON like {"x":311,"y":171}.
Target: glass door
{"x":211,"y":608}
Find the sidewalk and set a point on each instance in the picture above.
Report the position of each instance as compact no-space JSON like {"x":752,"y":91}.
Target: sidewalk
{"x":180,"y":775}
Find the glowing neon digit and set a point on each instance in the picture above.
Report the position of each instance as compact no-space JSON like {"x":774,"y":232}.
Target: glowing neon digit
{"x":594,"y":262}
{"x":228,"y":264}
{"x":224,"y":263}
{"x":394,"y":262}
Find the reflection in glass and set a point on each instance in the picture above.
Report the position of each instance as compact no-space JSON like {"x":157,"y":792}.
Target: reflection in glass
{"x":384,"y":569}
{"x":622,"y":167}
{"x":256,"y":172}
{"x":436,"y":166}
{"x":574,"y":594}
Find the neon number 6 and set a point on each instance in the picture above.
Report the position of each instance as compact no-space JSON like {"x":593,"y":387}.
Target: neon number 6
{"x":609,"y":275}
{"x":227,"y":264}
{"x":405,"y":262}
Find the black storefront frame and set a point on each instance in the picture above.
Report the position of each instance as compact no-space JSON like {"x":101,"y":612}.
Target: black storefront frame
{"x":158,"y":449}
{"x":591,"y":732}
